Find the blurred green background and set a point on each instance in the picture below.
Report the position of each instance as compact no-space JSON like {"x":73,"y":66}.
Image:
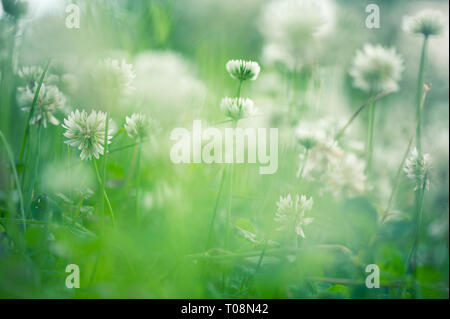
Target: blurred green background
{"x":179,"y":50}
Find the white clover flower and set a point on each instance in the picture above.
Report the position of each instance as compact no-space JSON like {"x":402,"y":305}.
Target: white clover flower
{"x":116,"y":75}
{"x":237,"y":108}
{"x":136,"y":125}
{"x":309,"y":136}
{"x":417,"y":168}
{"x":346,"y":176}
{"x":276,"y":55}
{"x":87,"y":132}
{"x":30,"y":74}
{"x":292,"y":214}
{"x":426,"y":22}
{"x":290,"y":28}
{"x":243,"y":70}
{"x":376,"y":69}
{"x":290,"y":21}
{"x":49,"y":100}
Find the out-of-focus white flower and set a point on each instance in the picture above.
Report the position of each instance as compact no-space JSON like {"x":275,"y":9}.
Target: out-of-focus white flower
{"x":277,"y":55}
{"x":243,"y":70}
{"x":426,"y":22}
{"x":417,"y":168}
{"x":167,"y":82}
{"x":290,"y":21}
{"x":30,"y":74}
{"x":115,"y":75}
{"x":136,"y":125}
{"x":322,"y":148}
{"x":309,"y":136}
{"x":237,"y":108}
{"x":292,"y":214}
{"x":346,"y":176}
{"x":49,"y":100}
{"x":376,"y":69}
{"x":87,"y":132}
{"x":290,"y":26}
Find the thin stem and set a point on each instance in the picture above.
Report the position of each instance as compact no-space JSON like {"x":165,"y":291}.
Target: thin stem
{"x":16,"y":177}
{"x":419,"y":207}
{"x":69,"y":170}
{"x":105,"y":195}
{"x":300,"y":172}
{"x":125,"y":147}
{"x":230,"y":201}
{"x":30,"y":114}
{"x":397,"y":180}
{"x":369,"y":143}
{"x":419,"y":95}
{"x":226,"y":255}
{"x":216,"y":205}
{"x":355,"y":115}
{"x":36,"y":158}
{"x":105,"y":156}
{"x":138,"y":175}
{"x":238,"y":94}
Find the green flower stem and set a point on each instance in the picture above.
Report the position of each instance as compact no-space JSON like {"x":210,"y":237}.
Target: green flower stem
{"x":230,"y":201}
{"x":216,"y":205}
{"x":369,"y":143}
{"x":16,"y":177}
{"x":105,"y":195}
{"x":30,"y":114}
{"x":355,"y":115}
{"x":238,"y":94}
{"x":37,"y":157}
{"x":397,"y":181}
{"x":419,"y":95}
{"x":104,"y":158}
{"x":419,"y":208}
{"x":138,"y":181}
{"x":125,"y":147}
{"x":300,"y":174}
{"x":227,"y":255}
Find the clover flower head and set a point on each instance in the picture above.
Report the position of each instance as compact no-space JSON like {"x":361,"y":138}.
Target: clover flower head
{"x":136,"y":126}
{"x":292,"y":213}
{"x":376,"y":69}
{"x":243,"y":70}
{"x":87,"y":132}
{"x":417,"y":168}
{"x":426,"y":22}
{"x":237,"y":108}
{"x":116,"y":75}
{"x":49,"y":100}
{"x":346,"y":176}
{"x":287,"y":21}
{"x":30,"y":74}
{"x":309,"y":137}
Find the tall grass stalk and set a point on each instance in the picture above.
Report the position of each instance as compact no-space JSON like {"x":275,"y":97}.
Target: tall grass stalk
{"x":230,"y":203}
{"x":419,"y":208}
{"x":419,"y":96}
{"x":355,"y":115}
{"x":30,"y":114}
{"x":302,"y":170}
{"x":104,"y":196}
{"x":369,"y":143}
{"x":138,"y":179}
{"x":216,"y":206}
{"x":397,"y":181}
{"x":16,"y":177}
